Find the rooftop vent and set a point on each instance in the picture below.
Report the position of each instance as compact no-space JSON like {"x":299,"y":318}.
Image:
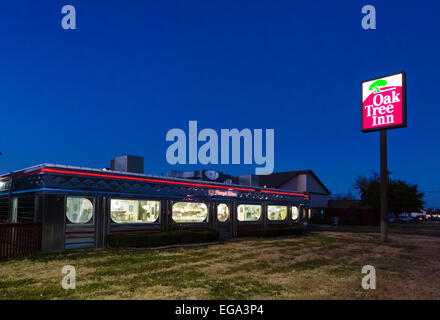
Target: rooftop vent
{"x":127,"y":163}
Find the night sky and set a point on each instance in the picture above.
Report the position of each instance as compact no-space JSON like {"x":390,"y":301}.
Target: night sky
{"x":135,"y":69}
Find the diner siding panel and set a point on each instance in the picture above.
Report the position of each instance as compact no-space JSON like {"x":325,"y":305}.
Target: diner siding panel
{"x":26,"y":209}
{"x":250,"y":224}
{"x":79,"y":236}
{"x":134,"y":227}
{"x":224,"y":230}
{"x":4,"y":209}
{"x":191,"y":226}
{"x":278,"y":222}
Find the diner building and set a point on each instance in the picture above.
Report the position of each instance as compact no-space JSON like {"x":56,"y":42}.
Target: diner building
{"x":80,"y":207}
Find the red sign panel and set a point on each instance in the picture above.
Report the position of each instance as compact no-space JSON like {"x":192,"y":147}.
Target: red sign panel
{"x":383,"y":103}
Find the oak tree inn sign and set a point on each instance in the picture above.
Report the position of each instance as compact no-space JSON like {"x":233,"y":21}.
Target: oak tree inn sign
{"x":384,"y":102}
{"x":383,"y":107}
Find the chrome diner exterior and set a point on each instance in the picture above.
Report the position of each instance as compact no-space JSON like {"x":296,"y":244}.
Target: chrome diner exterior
{"x":79,"y":207}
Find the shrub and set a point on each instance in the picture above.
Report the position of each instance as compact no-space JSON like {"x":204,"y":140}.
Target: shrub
{"x":144,"y":240}
{"x":270,"y":231}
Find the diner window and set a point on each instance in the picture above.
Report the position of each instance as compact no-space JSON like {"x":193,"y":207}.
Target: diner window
{"x":190,"y":212}
{"x":134,"y":211}
{"x":276,"y":213}
{"x":248,"y":212}
{"x":79,"y":210}
{"x":295,"y":213}
{"x":222,"y":212}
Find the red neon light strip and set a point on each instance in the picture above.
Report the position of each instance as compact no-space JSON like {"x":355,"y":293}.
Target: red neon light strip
{"x":90,"y":174}
{"x":289,"y":193}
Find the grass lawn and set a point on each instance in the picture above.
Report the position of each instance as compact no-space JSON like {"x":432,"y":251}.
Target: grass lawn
{"x":317,"y":265}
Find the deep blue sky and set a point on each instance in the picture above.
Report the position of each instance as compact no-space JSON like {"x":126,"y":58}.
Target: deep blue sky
{"x":135,"y":69}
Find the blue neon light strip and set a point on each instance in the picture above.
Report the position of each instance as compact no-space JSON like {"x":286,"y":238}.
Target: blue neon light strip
{"x":112,"y":193}
{"x":80,"y":245}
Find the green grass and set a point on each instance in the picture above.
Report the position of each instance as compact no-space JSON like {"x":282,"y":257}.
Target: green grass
{"x":311,"y":266}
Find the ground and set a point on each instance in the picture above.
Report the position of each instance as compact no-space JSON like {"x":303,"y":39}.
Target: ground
{"x":324,"y":263}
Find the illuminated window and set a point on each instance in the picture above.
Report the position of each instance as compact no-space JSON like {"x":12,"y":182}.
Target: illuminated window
{"x":190,"y":212}
{"x":295,"y":213}
{"x":134,"y":211}
{"x":248,"y":212}
{"x":79,"y":210}
{"x":276,"y":213}
{"x":222,"y":212}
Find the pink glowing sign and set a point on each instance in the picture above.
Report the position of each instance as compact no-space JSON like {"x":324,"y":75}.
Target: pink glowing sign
{"x":384,"y":102}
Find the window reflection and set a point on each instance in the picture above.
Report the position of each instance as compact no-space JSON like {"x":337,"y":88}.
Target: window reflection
{"x":79,"y":210}
{"x":134,"y":211}
{"x":295,"y":213}
{"x":187,"y":212}
{"x":222,"y":212}
{"x":276,"y":213}
{"x":248,"y":212}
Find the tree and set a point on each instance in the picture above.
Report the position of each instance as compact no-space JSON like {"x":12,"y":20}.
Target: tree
{"x":402,"y":197}
{"x":377,"y":84}
{"x":342,"y":196}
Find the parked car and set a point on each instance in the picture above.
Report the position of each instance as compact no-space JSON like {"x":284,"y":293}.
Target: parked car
{"x":405,"y":219}
{"x":418,"y":219}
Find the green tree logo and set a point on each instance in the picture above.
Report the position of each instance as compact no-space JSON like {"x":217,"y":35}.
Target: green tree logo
{"x":377,"y":84}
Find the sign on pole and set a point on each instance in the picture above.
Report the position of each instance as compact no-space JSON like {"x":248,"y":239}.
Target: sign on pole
{"x":383,"y":107}
{"x":383,"y":102}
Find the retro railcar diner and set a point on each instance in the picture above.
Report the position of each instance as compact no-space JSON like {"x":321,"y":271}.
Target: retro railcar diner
{"x":79,"y":207}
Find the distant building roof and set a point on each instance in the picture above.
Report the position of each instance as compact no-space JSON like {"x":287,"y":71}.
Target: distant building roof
{"x":277,"y":179}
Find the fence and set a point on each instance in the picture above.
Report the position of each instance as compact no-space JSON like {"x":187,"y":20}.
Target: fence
{"x":19,"y":239}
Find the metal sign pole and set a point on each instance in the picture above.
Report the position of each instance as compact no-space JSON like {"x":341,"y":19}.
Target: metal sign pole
{"x":383,"y":185}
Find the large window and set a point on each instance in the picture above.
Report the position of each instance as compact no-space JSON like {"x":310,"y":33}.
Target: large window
{"x":295,"y":213}
{"x":276,"y":213}
{"x":248,"y":212}
{"x":222,"y":212}
{"x":79,"y":210}
{"x":134,"y":211}
{"x":190,"y":212}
